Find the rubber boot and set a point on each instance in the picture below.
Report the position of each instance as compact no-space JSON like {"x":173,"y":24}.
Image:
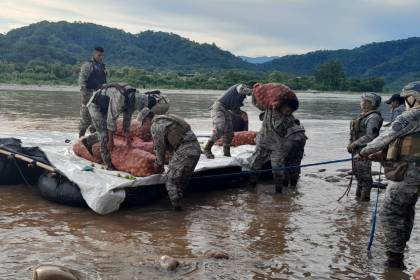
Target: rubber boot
{"x":279,"y":187}
{"x":226,"y":150}
{"x":207,"y":150}
{"x":365,"y":194}
{"x":358,"y":192}
{"x":395,"y":260}
{"x":253,"y":180}
{"x":88,"y":146}
{"x":176,"y":203}
{"x":279,"y":183}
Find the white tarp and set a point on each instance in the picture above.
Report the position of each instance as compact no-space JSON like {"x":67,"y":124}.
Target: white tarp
{"x":102,"y":189}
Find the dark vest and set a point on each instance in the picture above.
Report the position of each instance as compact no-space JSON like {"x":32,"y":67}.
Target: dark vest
{"x":356,"y":130}
{"x":97,"y":77}
{"x":232,"y":99}
{"x":102,"y":100}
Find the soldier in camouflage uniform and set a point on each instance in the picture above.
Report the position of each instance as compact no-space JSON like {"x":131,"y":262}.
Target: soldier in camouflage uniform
{"x":92,"y":75}
{"x":105,"y":106}
{"x":401,"y":145}
{"x":363,"y":130}
{"x":171,"y":133}
{"x":222,"y":119}
{"x":271,"y":139}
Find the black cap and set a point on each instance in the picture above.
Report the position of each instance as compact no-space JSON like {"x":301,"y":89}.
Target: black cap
{"x":395,"y":97}
{"x":99,"y":49}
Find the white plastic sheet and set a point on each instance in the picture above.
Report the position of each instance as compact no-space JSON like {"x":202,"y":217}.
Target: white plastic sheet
{"x":103,"y":190}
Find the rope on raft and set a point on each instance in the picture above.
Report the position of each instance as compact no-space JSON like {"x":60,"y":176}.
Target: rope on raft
{"x":242,"y":173}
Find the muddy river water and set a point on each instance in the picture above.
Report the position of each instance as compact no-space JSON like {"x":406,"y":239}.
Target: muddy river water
{"x":307,"y":235}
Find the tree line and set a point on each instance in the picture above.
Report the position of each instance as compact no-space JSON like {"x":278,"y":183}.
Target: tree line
{"x":327,"y":77}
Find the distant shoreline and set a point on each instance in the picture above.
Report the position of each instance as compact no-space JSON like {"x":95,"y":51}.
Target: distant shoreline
{"x":34,"y":87}
{"x":73,"y":88}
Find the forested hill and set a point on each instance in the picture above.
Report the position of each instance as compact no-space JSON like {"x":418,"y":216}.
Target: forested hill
{"x":30,"y":53}
{"x":71,"y":43}
{"x":396,"y":61}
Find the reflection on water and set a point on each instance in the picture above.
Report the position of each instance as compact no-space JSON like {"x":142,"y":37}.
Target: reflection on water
{"x":308,"y":235}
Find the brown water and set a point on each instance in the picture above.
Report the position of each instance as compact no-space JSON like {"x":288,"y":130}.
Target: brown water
{"x":308,"y":235}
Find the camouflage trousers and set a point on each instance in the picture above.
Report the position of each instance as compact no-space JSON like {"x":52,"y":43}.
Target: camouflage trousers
{"x":181,"y":167}
{"x":397,"y":214}
{"x":85,"y":119}
{"x":101,"y":134}
{"x":362,"y":169}
{"x":222,"y":123}
{"x":294,"y":158}
{"x":276,"y":156}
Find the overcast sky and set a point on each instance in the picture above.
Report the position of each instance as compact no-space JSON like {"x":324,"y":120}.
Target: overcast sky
{"x":244,"y":27}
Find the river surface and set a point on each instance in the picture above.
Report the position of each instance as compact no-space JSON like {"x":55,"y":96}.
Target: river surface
{"x":308,"y":235}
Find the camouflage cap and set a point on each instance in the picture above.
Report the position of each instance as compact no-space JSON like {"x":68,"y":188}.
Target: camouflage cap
{"x":412,"y":89}
{"x":373,"y":98}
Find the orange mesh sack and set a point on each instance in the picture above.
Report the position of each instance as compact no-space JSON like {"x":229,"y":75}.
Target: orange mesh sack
{"x":241,"y":138}
{"x":134,"y":161}
{"x":135,"y":130}
{"x":80,"y":150}
{"x":270,"y":95}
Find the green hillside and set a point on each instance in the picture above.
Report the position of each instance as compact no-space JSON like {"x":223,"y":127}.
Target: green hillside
{"x":51,"y":52}
{"x":71,"y":43}
{"x":395,"y":61}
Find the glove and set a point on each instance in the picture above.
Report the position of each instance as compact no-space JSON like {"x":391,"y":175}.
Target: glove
{"x":351,"y":147}
{"x":379,"y":156}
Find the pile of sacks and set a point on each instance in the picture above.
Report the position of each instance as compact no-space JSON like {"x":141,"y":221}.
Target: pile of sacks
{"x":241,"y":138}
{"x":271,"y":95}
{"x":137,"y":160}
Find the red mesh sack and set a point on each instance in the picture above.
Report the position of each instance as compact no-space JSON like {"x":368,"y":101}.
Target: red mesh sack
{"x":135,"y":130}
{"x":134,"y":161}
{"x":80,"y":150}
{"x":271,"y":95}
{"x":241,"y":138}
{"x":137,"y":160}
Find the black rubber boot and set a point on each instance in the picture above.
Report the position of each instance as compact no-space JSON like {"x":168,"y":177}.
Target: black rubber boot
{"x":358,"y":192}
{"x":207,"y":150}
{"x":279,"y":187}
{"x":395,"y":260}
{"x":226,"y":150}
{"x":365,"y":195}
{"x":279,"y":183}
{"x":253,"y":180}
{"x":176,"y":203}
{"x":87,"y":145}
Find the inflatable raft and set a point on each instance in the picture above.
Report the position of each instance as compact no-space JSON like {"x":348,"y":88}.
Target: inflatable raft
{"x":64,"y":178}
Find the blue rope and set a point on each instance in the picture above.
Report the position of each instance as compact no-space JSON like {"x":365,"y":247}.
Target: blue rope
{"x":374,"y":214}
{"x":242,"y":173}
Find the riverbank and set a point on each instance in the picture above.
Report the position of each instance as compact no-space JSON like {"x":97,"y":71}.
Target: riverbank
{"x":75,"y":88}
